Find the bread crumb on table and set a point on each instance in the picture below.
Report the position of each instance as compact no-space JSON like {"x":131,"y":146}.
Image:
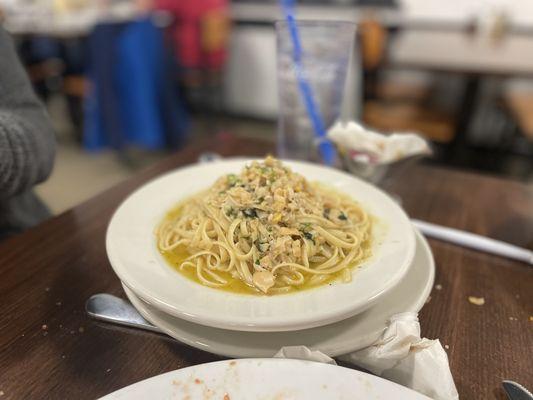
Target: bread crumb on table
{"x":446,"y":346}
{"x":44,"y":327}
{"x":478,"y":301}
{"x":438,"y":286}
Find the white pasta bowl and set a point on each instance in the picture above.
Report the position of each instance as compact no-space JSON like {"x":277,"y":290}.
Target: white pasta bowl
{"x":133,"y":254}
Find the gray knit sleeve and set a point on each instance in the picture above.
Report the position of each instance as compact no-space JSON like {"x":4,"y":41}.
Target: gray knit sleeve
{"x":27,"y":143}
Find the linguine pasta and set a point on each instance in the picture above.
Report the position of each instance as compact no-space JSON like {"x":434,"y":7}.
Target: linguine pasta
{"x":269,"y":228}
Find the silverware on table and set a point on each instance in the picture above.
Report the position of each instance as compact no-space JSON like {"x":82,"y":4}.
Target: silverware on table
{"x":474,"y":241}
{"x":109,"y":308}
{"x":516,"y":391}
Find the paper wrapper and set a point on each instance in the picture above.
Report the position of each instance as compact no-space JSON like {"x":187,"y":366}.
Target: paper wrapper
{"x":365,"y":145}
{"x":400,"y":356}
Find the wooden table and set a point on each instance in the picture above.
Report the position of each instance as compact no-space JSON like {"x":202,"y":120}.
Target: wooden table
{"x":50,"y":349}
{"x":459,"y":51}
{"x":473,"y":56}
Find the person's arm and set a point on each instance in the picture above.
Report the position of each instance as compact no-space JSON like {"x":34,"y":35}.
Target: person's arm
{"x":27,"y":142}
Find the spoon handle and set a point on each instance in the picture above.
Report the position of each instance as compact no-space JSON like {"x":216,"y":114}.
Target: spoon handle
{"x":109,"y":308}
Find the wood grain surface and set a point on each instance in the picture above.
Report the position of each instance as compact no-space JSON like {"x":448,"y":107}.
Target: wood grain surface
{"x":49,"y":348}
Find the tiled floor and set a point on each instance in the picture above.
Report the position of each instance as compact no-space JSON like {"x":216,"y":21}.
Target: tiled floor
{"x":78,"y":176}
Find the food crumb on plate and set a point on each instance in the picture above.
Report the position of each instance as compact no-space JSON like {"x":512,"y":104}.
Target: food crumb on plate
{"x":198,"y":381}
{"x":226,"y":397}
{"x":232,"y":363}
{"x":438,"y":286}
{"x":478,"y":301}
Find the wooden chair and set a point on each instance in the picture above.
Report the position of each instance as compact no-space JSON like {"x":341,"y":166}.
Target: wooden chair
{"x":395,"y":105}
{"x":520,"y":106}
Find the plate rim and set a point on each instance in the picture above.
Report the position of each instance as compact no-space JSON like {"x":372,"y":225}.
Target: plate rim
{"x":254,"y":363}
{"x":244,"y":323}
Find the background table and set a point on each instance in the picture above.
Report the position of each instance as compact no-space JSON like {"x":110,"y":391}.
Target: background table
{"x":50,"y":349}
{"x":473,"y":56}
{"x":460,"y":51}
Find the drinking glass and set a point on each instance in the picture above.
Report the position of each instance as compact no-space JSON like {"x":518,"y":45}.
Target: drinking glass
{"x":326,"y":49}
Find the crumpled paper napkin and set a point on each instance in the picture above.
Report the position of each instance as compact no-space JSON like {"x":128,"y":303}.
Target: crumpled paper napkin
{"x":365,"y":145}
{"x":400,"y":355}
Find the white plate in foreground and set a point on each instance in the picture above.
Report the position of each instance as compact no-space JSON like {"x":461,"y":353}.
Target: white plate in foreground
{"x":265,"y":379}
{"x":334,"y":340}
{"x":132,"y":251}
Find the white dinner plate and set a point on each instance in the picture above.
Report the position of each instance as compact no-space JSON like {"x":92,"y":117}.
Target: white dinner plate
{"x":334,"y":340}
{"x":132,"y":251}
{"x":272,"y":378}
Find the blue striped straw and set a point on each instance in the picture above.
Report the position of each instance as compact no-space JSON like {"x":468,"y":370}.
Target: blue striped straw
{"x":326,"y":148}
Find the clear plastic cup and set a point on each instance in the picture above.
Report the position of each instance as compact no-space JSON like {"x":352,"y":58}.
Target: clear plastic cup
{"x":326,"y":49}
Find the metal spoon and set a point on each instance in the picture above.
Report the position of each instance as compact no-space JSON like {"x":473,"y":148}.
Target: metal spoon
{"x":109,"y":308}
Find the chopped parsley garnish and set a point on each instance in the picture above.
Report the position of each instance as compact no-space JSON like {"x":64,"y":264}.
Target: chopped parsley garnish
{"x":231,"y":212}
{"x":309,"y":236}
{"x":257,"y":262}
{"x":342,"y":216}
{"x":305,"y":226}
{"x":232,"y":180}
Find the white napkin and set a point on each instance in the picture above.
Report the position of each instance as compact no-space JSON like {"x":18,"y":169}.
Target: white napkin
{"x":400,"y":356}
{"x":365,"y":145}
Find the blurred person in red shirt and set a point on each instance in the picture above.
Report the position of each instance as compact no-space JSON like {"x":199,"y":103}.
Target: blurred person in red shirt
{"x":200,"y":31}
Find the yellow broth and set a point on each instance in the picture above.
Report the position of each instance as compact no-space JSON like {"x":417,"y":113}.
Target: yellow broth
{"x":177,"y":256}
